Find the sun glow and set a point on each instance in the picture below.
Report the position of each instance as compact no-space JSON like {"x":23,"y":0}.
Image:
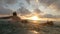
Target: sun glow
{"x":34,"y":18}
{"x":36,"y":1}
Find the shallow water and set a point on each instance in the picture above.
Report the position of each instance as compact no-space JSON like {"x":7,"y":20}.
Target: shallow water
{"x":7,"y":27}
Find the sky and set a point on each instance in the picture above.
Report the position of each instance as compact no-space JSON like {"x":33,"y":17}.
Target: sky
{"x":50,"y":7}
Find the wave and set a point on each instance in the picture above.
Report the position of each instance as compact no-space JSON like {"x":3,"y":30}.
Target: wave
{"x":7,"y":27}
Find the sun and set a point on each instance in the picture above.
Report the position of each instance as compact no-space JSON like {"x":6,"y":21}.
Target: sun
{"x":31,"y":18}
{"x":34,"y":18}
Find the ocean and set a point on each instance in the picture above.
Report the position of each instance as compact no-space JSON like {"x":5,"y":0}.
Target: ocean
{"x":7,"y":27}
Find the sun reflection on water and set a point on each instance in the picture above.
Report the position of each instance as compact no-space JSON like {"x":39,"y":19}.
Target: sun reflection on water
{"x":33,"y":32}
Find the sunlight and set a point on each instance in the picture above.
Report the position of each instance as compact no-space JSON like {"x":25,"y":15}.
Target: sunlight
{"x":34,"y":32}
{"x":36,"y":1}
{"x":34,"y":18}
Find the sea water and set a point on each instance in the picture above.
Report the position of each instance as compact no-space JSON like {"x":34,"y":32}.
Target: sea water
{"x":7,"y":27}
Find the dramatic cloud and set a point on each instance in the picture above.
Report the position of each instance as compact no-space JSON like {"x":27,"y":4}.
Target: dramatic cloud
{"x":28,"y":1}
{"x":5,"y":11}
{"x":50,"y":16}
{"x":8,"y":1}
{"x":37,"y":11}
{"x":8,"y":4}
{"x":24,"y":11}
{"x":46,"y":6}
{"x":55,"y":5}
{"x":52,"y":4}
{"x":47,"y":2}
{"x":11,"y":1}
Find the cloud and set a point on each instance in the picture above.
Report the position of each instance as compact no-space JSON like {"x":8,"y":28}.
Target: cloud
{"x":52,"y":6}
{"x":47,"y":2}
{"x":48,"y":16}
{"x":28,"y":1}
{"x":31,"y":5}
{"x":9,"y":4}
{"x":56,"y":5}
{"x":51,"y":16}
{"x":23,"y":11}
{"x":37,"y":11}
{"x":11,"y":1}
{"x":8,"y":1}
{"x":5,"y":11}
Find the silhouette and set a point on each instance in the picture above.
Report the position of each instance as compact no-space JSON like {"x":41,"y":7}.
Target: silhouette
{"x":48,"y":23}
{"x":14,"y":17}
{"x":24,"y":21}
